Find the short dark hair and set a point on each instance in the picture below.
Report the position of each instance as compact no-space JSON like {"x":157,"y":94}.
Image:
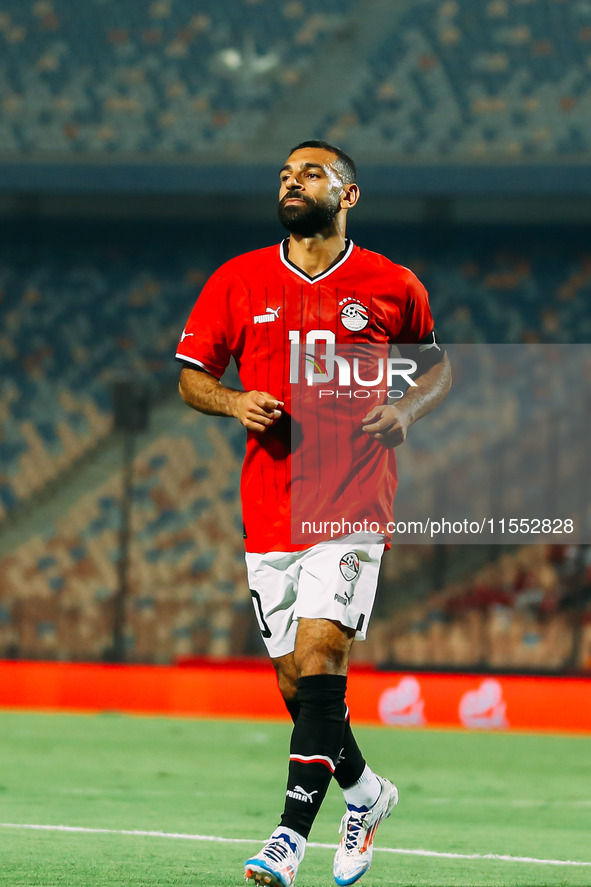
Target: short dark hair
{"x":346,"y":164}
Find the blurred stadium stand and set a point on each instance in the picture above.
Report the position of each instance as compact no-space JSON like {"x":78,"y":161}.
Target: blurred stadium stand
{"x":157,"y":77}
{"x":187,"y":590}
{"x":75,"y":317}
{"x":139,"y":147}
{"x":454,"y":78}
{"x":523,"y":610}
{"x":501,"y":78}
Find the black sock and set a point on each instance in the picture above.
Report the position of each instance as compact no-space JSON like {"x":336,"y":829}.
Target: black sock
{"x":316,"y":742}
{"x":351,"y":763}
{"x":293,"y":707}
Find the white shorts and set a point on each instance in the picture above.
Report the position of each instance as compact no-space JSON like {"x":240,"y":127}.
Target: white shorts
{"x":331,"y":580}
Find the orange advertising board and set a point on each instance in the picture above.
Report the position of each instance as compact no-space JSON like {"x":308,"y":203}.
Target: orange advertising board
{"x":248,"y":689}
{"x":475,"y":702}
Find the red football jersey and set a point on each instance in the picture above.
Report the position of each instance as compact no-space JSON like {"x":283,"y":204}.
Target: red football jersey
{"x":263,"y":311}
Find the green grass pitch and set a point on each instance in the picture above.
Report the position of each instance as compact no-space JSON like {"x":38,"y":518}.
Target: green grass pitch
{"x":465,"y":793}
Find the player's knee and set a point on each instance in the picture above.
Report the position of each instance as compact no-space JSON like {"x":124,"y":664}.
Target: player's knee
{"x":288,"y":688}
{"x":287,"y":677}
{"x":321,"y":659}
{"x":322,"y":647}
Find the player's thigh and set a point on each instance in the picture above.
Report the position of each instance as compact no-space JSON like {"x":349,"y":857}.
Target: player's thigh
{"x":272,"y":579}
{"x":338,"y":582}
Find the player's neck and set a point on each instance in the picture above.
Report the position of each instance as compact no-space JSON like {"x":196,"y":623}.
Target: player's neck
{"x":313,"y":255}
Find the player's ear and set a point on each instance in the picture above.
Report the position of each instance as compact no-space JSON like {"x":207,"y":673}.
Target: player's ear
{"x":350,"y":196}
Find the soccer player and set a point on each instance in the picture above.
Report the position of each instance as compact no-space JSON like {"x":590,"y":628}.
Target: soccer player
{"x":312,"y":597}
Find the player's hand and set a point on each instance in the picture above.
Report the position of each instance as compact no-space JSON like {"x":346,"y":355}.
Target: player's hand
{"x":387,"y":423}
{"x":257,"y":410}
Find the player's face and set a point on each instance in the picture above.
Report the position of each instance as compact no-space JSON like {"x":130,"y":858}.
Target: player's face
{"x":310,"y":191}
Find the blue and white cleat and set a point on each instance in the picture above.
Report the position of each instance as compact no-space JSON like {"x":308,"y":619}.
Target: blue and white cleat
{"x":358,"y":827}
{"x":277,"y":863}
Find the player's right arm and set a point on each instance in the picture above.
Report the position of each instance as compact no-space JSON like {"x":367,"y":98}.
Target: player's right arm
{"x":212,"y":334}
{"x":256,"y":410}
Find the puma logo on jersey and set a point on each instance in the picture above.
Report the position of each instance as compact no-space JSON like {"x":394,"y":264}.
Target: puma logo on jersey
{"x":185,"y":335}
{"x":426,"y":345}
{"x":271,"y":315}
{"x":300,"y":794}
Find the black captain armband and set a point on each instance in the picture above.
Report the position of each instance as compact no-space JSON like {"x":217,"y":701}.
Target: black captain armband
{"x":426,"y":353}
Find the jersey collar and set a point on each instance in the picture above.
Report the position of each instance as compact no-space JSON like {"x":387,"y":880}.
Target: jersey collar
{"x":340,"y":260}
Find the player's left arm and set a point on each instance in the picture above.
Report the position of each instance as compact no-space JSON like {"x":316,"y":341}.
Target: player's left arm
{"x":389,"y":423}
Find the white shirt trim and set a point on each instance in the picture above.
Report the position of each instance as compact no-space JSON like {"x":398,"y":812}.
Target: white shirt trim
{"x":318,"y":277}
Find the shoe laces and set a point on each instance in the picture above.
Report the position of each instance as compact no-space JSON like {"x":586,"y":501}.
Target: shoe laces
{"x":277,"y":851}
{"x":354,"y":823}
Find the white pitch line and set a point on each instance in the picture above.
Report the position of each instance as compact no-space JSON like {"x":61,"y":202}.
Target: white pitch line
{"x":499,"y":857}
{"x":516,"y":802}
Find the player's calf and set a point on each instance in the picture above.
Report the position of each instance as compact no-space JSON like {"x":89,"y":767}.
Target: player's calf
{"x":315,"y":746}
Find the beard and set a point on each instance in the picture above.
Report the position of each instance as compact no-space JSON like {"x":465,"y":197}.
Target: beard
{"x":309,"y":219}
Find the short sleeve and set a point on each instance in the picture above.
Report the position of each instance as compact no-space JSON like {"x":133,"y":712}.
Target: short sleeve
{"x":417,"y":319}
{"x":205,"y":340}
